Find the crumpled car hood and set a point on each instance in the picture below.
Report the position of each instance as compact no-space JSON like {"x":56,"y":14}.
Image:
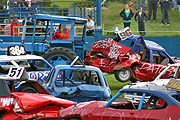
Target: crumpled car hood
{"x":81,"y":91}
{"x":30,"y":101}
{"x":110,"y":48}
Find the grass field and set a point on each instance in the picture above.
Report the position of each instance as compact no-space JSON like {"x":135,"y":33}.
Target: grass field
{"x":114,"y":84}
{"x":65,"y":4}
{"x":112,"y":20}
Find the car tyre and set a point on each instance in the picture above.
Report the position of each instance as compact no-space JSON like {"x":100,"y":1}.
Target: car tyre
{"x":59,"y":56}
{"x":27,"y":89}
{"x":123,"y":75}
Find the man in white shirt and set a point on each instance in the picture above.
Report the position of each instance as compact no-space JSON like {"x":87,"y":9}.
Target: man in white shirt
{"x":90,"y":26}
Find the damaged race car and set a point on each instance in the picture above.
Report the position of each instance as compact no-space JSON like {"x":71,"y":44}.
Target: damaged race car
{"x":28,"y":106}
{"x":159,"y":82}
{"x":143,"y":60}
{"x":78,"y":83}
{"x":32,"y":64}
{"x":160,"y":105}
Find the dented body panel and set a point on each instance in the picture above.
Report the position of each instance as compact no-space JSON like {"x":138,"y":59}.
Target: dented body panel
{"x":144,"y":58}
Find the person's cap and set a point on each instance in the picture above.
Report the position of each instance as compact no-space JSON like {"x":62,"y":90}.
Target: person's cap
{"x":140,"y":8}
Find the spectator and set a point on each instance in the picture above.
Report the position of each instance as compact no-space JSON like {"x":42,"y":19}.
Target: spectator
{"x":14,"y":28}
{"x":29,"y":23}
{"x":127,"y":14}
{"x":175,"y":5}
{"x":166,"y":4}
{"x":178,"y":3}
{"x":54,"y":36}
{"x":138,"y":4}
{"x":90,"y":26}
{"x":142,"y":17}
{"x":152,"y":7}
{"x":63,"y":33}
{"x":7,"y":27}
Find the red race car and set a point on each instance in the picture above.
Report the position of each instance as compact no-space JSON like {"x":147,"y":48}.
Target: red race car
{"x":160,"y":105}
{"x":26,"y":106}
{"x":143,"y":60}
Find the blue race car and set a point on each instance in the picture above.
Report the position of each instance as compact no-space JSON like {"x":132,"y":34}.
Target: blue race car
{"x":78,"y":83}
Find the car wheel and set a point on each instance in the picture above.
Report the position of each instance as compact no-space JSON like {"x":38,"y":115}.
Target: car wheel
{"x":123,"y":75}
{"x":59,"y":56}
{"x":27,"y":89}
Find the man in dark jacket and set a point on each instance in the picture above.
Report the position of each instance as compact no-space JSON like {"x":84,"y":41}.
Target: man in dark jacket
{"x":127,"y":14}
{"x":166,"y":4}
{"x":152,"y":7}
{"x":142,"y":17}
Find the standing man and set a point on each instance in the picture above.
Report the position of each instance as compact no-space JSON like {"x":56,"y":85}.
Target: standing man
{"x":127,"y":14}
{"x":90,"y":26}
{"x":138,"y":4}
{"x":166,"y":4}
{"x":152,"y":7}
{"x":142,"y":17}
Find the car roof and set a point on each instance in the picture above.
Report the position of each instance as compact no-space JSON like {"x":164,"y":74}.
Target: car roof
{"x":175,"y":64}
{"x":6,"y":58}
{"x":164,"y":94}
{"x":152,"y":45}
{"x":77,"y":67}
{"x":149,"y":44}
{"x":63,"y":18}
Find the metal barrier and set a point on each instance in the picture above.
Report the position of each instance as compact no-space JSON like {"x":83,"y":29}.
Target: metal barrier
{"x":21,"y":9}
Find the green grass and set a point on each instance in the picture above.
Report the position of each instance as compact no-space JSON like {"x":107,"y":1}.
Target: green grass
{"x":65,"y":4}
{"x":114,"y":84}
{"x":112,"y":20}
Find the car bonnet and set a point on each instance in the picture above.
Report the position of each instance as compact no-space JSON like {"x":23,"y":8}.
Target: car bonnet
{"x":110,"y":48}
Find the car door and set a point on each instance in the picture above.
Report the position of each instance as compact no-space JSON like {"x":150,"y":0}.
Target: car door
{"x":149,"y":70}
{"x":153,"y":108}
{"x":116,"y":114}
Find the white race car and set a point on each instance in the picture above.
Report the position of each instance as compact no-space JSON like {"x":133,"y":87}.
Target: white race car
{"x":32,"y":65}
{"x":158,"y":83}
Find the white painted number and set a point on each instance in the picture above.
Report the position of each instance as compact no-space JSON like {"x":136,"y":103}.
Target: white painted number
{"x":15,"y":72}
{"x":17,"y":50}
{"x":125,"y":33}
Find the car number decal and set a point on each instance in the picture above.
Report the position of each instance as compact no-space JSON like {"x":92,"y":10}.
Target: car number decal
{"x":174,"y":84}
{"x":17,"y":73}
{"x":16,"y":50}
